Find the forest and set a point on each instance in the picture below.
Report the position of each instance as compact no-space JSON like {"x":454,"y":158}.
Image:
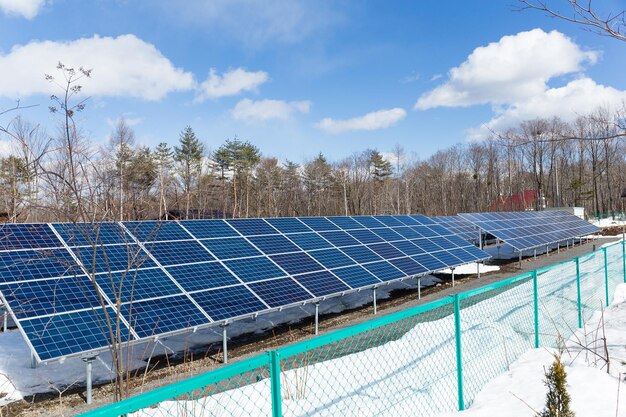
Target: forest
{"x":65,"y":176}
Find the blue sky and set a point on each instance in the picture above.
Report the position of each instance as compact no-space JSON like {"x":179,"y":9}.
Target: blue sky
{"x":301,"y":77}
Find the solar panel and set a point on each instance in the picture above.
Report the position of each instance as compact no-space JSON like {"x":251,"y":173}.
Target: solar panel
{"x":530,"y":229}
{"x":226,"y":303}
{"x":321,"y":283}
{"x":165,"y":277}
{"x":458,"y":226}
{"x":162,"y":315}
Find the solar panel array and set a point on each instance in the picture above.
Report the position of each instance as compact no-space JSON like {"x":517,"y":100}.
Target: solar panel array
{"x":172,"y":276}
{"x":458,"y":226}
{"x":530,"y":229}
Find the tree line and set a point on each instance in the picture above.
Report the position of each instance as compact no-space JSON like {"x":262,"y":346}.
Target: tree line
{"x":66,"y":177}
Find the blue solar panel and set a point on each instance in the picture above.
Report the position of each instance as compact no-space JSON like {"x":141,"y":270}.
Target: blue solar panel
{"x":384,"y":271}
{"x":137,"y":285}
{"x":331,"y":258}
{"x":151,"y":231}
{"x":288,"y":225}
{"x":361,"y":254}
{"x":339,"y":238}
{"x":422,"y":219}
{"x":298,"y":266}
{"x":407,"y":247}
{"x":365,"y":236}
{"x":274,"y":244}
{"x":459,"y":227}
{"x":356,"y":276}
{"x":27,"y":236}
{"x":386,"y":250}
{"x":201,"y":276}
{"x":346,"y":223}
{"x":206,"y":229}
{"x":254,"y":269}
{"x":113,"y":258}
{"x":251,"y":227}
{"x":280,"y":292}
{"x":429,"y":262}
{"x":230,"y":248}
{"x":407,"y":232}
{"x":50,"y":296}
{"x":82,"y":234}
{"x":368,"y":221}
{"x":226,"y":303}
{"x":388,"y":221}
{"x":388,"y":234}
{"x":181,"y":252}
{"x":321,"y":283}
{"x":162,"y":315}
{"x":319,"y":224}
{"x":530,"y":229}
{"x":297,"y":263}
{"x":35,"y":264}
{"x":65,"y":334}
{"x":408,"y":266}
{"x":309,"y":241}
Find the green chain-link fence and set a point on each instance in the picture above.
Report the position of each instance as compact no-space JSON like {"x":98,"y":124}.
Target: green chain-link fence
{"x":430,"y":359}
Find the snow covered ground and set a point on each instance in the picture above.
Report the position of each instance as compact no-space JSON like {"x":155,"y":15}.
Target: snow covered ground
{"x":608,"y":222}
{"x":594,"y":392}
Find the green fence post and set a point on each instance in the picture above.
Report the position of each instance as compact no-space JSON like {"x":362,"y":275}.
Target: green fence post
{"x":536,"y":308}
{"x":606,"y":276}
{"x":277,"y":407}
{"x":624,"y":258}
{"x":459,"y":356}
{"x":580,"y":311}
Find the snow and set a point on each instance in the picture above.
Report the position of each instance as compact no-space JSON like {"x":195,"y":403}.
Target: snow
{"x":593,"y":391}
{"x":608,"y":222}
{"x":470,"y":269}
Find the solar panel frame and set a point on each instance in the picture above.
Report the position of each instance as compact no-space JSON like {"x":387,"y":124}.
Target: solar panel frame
{"x":526,"y":230}
{"x":362,"y":274}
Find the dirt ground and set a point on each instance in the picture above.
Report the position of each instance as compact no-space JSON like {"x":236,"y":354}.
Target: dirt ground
{"x":165,"y":370}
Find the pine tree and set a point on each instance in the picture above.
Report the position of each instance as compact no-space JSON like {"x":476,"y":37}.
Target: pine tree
{"x":189,"y":159}
{"x":557,"y":400}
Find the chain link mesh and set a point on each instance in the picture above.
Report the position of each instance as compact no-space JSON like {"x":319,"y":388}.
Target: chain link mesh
{"x":406,"y":365}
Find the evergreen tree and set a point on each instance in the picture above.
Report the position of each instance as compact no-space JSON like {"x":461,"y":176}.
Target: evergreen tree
{"x":557,"y":400}
{"x":189,"y":159}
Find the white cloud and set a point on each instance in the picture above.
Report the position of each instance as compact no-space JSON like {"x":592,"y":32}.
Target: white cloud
{"x":25,"y":8}
{"x":261,"y":110}
{"x":124,"y":66}
{"x":513,"y":75}
{"x":130,"y":121}
{"x":576,"y":98}
{"x":515,"y":68}
{"x":371,"y":121}
{"x":231,"y":83}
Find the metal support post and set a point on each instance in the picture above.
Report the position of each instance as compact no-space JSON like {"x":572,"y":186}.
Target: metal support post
{"x":33,"y":361}
{"x":520,"y":259}
{"x":536,"y":308}
{"x":5,"y":319}
{"x":453,"y":277}
{"x":580,"y":311}
{"x":459,"y":355}
{"x":558,"y":247}
{"x":419,"y":288}
{"x":498,"y":246}
{"x":225,"y":343}
{"x":89,"y":375}
{"x":317,"y":317}
{"x":606,"y":276}
{"x":374,"y":295}
{"x":535,"y":254}
{"x":547,"y":251}
{"x":624,"y":258}
{"x":477,"y":269}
